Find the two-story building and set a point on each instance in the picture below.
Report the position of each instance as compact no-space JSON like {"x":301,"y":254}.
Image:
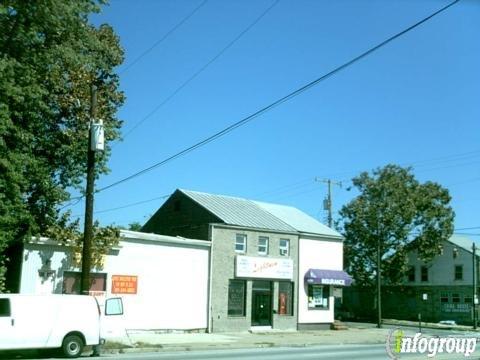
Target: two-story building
{"x":272,"y":266}
{"x":441,"y":289}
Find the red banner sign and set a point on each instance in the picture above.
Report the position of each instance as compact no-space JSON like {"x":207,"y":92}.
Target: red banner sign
{"x":124,"y":284}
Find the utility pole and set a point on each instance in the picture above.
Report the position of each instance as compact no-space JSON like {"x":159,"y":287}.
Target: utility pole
{"x":327,"y":205}
{"x":379,"y":283}
{"x":474,"y":300}
{"x":88,"y":226}
{"x":379,"y":262}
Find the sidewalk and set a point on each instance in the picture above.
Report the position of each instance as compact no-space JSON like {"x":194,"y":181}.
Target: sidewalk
{"x":151,"y":341}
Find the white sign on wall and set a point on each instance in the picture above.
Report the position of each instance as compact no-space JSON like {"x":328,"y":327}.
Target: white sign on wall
{"x":264,"y":268}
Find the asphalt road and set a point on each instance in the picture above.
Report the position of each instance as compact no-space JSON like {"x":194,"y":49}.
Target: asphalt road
{"x":367,"y":351}
{"x":334,"y":352}
{"x":317,"y":352}
{"x":296,"y":353}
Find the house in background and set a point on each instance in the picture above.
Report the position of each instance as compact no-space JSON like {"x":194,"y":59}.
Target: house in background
{"x":272,"y":266}
{"x":441,"y":289}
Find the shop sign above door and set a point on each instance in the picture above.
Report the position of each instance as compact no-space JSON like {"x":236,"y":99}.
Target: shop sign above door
{"x":264,"y":268}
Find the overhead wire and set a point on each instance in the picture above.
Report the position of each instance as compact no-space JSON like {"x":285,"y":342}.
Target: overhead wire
{"x":163,"y":38}
{"x":201,"y":69}
{"x":276,"y":103}
{"x":126,"y":206}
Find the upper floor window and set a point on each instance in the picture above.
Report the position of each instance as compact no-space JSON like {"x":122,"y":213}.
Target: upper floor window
{"x":284,"y":247}
{"x":455,"y":253}
{"x":263,"y":245}
{"x":411,"y":274}
{"x":241,"y":243}
{"x":458,"y":272}
{"x":424,"y":273}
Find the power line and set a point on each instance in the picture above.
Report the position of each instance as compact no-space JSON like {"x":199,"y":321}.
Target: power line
{"x":469,"y":228}
{"x":287,"y":188}
{"x":74,"y":202}
{"x":202,"y":69}
{"x":163,"y":38}
{"x":277,"y":102}
{"x":126,"y":206}
{"x":447,"y":158}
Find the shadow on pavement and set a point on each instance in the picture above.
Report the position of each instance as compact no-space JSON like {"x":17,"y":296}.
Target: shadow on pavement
{"x":35,"y":354}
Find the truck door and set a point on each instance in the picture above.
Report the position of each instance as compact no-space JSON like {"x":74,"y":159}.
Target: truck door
{"x":8,"y":339}
{"x":112,"y":321}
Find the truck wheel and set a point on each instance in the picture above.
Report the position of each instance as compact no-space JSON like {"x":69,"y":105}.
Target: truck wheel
{"x":72,"y":346}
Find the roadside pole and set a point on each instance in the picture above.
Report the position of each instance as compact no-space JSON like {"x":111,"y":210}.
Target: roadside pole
{"x":474,"y":277}
{"x":88,"y":225}
{"x":379,"y":285}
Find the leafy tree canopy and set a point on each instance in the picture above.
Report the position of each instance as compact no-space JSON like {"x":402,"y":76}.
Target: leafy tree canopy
{"x":398,"y":211}
{"x":135,"y":226}
{"x":49,"y":56}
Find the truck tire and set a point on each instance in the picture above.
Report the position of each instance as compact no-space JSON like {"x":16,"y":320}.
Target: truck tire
{"x":72,"y":346}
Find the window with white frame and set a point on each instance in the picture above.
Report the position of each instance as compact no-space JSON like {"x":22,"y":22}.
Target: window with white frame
{"x":240,"y":243}
{"x":263,"y":245}
{"x":318,"y":297}
{"x":284,"y":247}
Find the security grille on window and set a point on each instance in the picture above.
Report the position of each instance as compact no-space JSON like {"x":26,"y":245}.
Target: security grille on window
{"x":444,"y":298}
{"x":458,"y":272}
{"x":285,"y":298}
{"x":241,"y":243}
{"x":318,"y":297}
{"x":284,"y":247}
{"x":455,"y":298}
{"x":236,"y":298}
{"x":263,"y":245}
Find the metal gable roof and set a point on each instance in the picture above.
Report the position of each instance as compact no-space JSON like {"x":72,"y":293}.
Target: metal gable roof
{"x":463,"y":241}
{"x":254,"y":214}
{"x":298,"y":219}
{"x":237,"y":211}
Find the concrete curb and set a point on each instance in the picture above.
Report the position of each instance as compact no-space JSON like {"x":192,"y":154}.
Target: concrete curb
{"x":196,"y":347}
{"x":429,"y":325}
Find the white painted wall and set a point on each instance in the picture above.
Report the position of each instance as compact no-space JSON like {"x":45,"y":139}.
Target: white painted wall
{"x":172,"y":288}
{"x":172,"y":285}
{"x":317,"y":254}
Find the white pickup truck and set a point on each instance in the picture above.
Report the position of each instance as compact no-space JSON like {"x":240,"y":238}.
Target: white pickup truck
{"x":67,"y":322}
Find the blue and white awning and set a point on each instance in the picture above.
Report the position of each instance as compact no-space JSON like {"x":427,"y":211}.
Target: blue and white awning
{"x":328,"y":277}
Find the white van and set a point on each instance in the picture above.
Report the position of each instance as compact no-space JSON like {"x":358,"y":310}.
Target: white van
{"x":67,"y":322}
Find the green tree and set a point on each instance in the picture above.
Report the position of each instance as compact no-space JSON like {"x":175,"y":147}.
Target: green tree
{"x":135,"y":226}
{"x":49,"y":56}
{"x":397,"y":210}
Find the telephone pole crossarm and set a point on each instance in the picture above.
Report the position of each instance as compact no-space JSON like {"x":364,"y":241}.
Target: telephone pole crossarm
{"x":328,"y":203}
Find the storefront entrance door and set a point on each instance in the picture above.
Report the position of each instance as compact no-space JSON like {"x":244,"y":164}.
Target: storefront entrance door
{"x":262,"y":305}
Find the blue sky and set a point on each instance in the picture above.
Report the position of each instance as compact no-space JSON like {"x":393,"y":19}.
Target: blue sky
{"x":415,"y":101}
